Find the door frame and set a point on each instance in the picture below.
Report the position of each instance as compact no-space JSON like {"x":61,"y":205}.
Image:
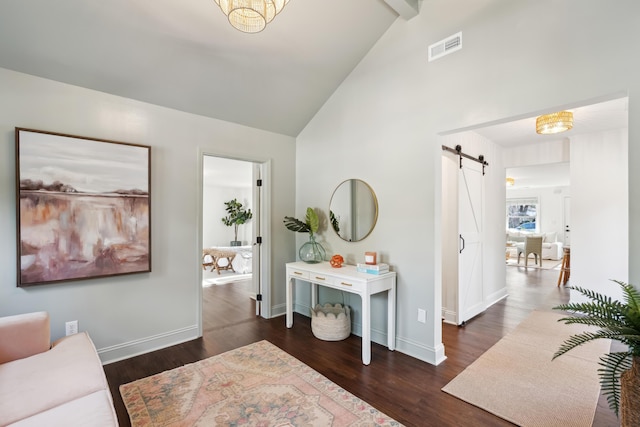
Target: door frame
{"x":264,"y":279}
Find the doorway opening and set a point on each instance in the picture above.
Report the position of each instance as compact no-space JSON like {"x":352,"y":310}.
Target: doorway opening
{"x":598,"y":143}
{"x":231,"y":265}
{"x":537,"y":204}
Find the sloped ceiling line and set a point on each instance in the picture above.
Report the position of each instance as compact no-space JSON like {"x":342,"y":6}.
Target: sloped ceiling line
{"x":407,"y":9}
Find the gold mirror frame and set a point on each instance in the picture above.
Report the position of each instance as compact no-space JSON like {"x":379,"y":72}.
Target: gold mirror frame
{"x":353,"y":210}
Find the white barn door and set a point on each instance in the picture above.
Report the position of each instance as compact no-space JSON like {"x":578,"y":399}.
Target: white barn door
{"x":470,"y":274}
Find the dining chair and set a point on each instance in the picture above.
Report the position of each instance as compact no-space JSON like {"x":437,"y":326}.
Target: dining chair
{"x":531,"y":245}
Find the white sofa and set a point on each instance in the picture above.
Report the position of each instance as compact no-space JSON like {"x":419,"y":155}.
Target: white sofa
{"x":551,"y":247}
{"x":53,"y":386}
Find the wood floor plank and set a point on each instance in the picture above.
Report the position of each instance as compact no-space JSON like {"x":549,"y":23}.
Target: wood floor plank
{"x":399,"y":385}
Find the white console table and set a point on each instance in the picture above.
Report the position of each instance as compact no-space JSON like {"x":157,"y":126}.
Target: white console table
{"x":347,"y":279}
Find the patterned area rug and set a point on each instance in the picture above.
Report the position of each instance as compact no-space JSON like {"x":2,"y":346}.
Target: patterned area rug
{"x":255,"y":385}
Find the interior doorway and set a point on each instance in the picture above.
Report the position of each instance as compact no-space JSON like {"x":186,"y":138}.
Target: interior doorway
{"x":598,"y":142}
{"x":536,"y":205}
{"x":231,"y":269}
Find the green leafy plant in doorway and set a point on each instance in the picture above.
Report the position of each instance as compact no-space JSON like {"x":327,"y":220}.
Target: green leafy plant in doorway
{"x":236,"y":216}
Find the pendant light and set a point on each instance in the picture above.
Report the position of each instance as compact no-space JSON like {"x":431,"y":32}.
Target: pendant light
{"x":554,"y":123}
{"x":251,"y":16}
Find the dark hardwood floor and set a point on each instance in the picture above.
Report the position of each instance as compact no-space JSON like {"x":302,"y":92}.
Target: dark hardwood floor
{"x":401,"y":386}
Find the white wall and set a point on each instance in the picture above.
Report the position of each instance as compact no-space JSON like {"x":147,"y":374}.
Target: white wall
{"x":216,"y":191}
{"x":136,"y":313}
{"x":599,"y":212}
{"x":382,"y":124}
{"x":214,"y":232}
{"x":537,"y":154}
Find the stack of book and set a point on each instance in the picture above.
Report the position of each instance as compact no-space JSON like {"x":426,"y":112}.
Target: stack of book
{"x":373,"y":268}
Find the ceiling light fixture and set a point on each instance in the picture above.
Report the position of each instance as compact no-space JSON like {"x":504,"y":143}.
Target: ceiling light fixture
{"x":251,"y":16}
{"x":554,"y":123}
{"x":510,"y":182}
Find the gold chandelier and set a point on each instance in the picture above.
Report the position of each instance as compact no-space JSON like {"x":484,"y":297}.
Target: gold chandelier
{"x":251,"y":16}
{"x":554,"y":123}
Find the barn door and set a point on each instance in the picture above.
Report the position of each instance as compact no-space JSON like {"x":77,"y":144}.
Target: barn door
{"x":470,"y":274}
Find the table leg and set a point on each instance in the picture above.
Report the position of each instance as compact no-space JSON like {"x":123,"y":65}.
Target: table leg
{"x":314,"y":295}
{"x":215,"y":264}
{"x":366,"y":329}
{"x":289,"y":302}
{"x":391,"y":314}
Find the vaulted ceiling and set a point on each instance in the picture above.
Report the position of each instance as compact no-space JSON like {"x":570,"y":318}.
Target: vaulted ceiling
{"x":185,"y":55}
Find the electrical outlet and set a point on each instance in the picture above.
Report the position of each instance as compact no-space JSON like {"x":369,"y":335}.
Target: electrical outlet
{"x":71,"y":327}
{"x":422,"y":316}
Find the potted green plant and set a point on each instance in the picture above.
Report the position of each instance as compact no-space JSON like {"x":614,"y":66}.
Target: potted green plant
{"x":311,"y":252}
{"x":236,"y":216}
{"x":619,"y":321}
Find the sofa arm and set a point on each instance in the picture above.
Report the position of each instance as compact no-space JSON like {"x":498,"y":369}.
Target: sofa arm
{"x":24,"y":335}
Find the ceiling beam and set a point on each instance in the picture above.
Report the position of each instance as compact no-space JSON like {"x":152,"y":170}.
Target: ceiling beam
{"x":407,"y":9}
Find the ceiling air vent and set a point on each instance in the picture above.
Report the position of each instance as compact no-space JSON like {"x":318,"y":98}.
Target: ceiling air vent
{"x":445,"y":47}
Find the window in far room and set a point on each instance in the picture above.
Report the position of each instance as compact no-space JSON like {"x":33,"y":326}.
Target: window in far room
{"x":522,"y":214}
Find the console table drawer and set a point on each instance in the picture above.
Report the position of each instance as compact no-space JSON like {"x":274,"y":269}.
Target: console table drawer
{"x":336,"y":282}
{"x":321,"y":278}
{"x":298,"y":273}
{"x":348,"y":285}
{"x":326,"y":279}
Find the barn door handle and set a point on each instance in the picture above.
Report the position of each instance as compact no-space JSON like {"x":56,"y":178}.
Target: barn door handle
{"x":462,"y":239}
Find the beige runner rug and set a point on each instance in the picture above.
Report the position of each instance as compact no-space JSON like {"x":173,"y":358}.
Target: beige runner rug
{"x":255,"y":385}
{"x":516,"y":379}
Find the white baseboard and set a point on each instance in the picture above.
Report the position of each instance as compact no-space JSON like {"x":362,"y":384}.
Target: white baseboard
{"x":449,"y":316}
{"x":129,"y":349}
{"x":278,"y":310}
{"x":496,"y":296}
{"x":432,"y":355}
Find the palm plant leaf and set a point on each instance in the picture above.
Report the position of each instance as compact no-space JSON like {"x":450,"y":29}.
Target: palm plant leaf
{"x":294,"y":224}
{"x":613,"y":365}
{"x":618,"y":321}
{"x":578,"y":339}
{"x":591,"y":320}
{"x":593,"y":295}
{"x":312,"y":220}
{"x":601,"y":306}
{"x":608,"y":309}
{"x":631,"y":294}
{"x":632,"y":305}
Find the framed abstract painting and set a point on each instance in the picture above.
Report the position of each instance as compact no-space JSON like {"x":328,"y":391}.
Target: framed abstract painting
{"x":83,"y":207}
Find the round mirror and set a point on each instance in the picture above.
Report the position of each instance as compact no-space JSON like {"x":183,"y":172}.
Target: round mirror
{"x":353,"y":210}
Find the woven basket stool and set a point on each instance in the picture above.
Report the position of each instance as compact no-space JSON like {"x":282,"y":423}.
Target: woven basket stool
{"x":331,"y":322}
